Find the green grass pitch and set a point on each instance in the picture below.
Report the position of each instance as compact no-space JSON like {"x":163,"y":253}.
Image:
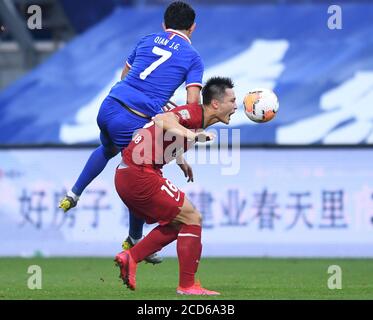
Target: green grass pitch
{"x":235,"y":278}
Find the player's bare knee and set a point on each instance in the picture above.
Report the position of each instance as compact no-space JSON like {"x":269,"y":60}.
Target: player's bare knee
{"x":188,"y":216}
{"x":195,"y":218}
{"x":198,"y":217}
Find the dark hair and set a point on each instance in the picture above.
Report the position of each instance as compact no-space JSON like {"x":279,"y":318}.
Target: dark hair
{"x":179,"y":16}
{"x":215,"y":89}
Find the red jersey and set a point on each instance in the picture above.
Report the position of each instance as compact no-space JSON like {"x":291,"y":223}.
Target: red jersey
{"x":154,"y":147}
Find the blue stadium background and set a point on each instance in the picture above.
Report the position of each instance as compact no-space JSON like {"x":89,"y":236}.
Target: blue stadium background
{"x":323,"y":77}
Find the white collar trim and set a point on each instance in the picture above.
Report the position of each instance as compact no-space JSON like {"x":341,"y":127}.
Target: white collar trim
{"x":180,"y":34}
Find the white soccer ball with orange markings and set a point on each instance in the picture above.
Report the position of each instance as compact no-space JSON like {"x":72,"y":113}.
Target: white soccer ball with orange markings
{"x":261,"y":105}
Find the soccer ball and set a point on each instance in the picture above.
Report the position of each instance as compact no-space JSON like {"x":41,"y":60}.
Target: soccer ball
{"x":261,"y":105}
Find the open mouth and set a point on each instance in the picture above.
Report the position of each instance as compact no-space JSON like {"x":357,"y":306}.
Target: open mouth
{"x":229,"y":117}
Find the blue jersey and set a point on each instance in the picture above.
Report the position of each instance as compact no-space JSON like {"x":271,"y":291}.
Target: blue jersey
{"x":159,"y":64}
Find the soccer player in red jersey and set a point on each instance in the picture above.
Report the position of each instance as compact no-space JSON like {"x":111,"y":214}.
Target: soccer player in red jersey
{"x":142,"y":187}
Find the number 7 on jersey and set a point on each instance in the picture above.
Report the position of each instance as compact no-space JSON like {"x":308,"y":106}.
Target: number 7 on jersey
{"x":165,"y":55}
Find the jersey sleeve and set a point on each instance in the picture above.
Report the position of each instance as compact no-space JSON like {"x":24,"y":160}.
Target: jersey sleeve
{"x":131,"y":58}
{"x":195,"y":74}
{"x":190,"y":116}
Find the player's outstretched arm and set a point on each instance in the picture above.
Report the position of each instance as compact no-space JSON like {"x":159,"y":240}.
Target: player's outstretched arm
{"x":204,"y":136}
{"x":193,"y":94}
{"x":169,"y":122}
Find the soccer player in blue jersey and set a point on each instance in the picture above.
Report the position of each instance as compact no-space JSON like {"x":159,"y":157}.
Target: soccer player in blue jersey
{"x":158,"y":65}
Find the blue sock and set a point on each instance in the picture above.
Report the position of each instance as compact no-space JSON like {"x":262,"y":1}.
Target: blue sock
{"x":94,"y":166}
{"x":136,"y":225}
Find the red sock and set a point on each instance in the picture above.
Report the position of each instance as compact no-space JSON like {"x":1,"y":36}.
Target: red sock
{"x":158,"y":238}
{"x":189,"y":249}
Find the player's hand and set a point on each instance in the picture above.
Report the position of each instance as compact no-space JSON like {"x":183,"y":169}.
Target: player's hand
{"x":204,"y":136}
{"x":187,"y":169}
